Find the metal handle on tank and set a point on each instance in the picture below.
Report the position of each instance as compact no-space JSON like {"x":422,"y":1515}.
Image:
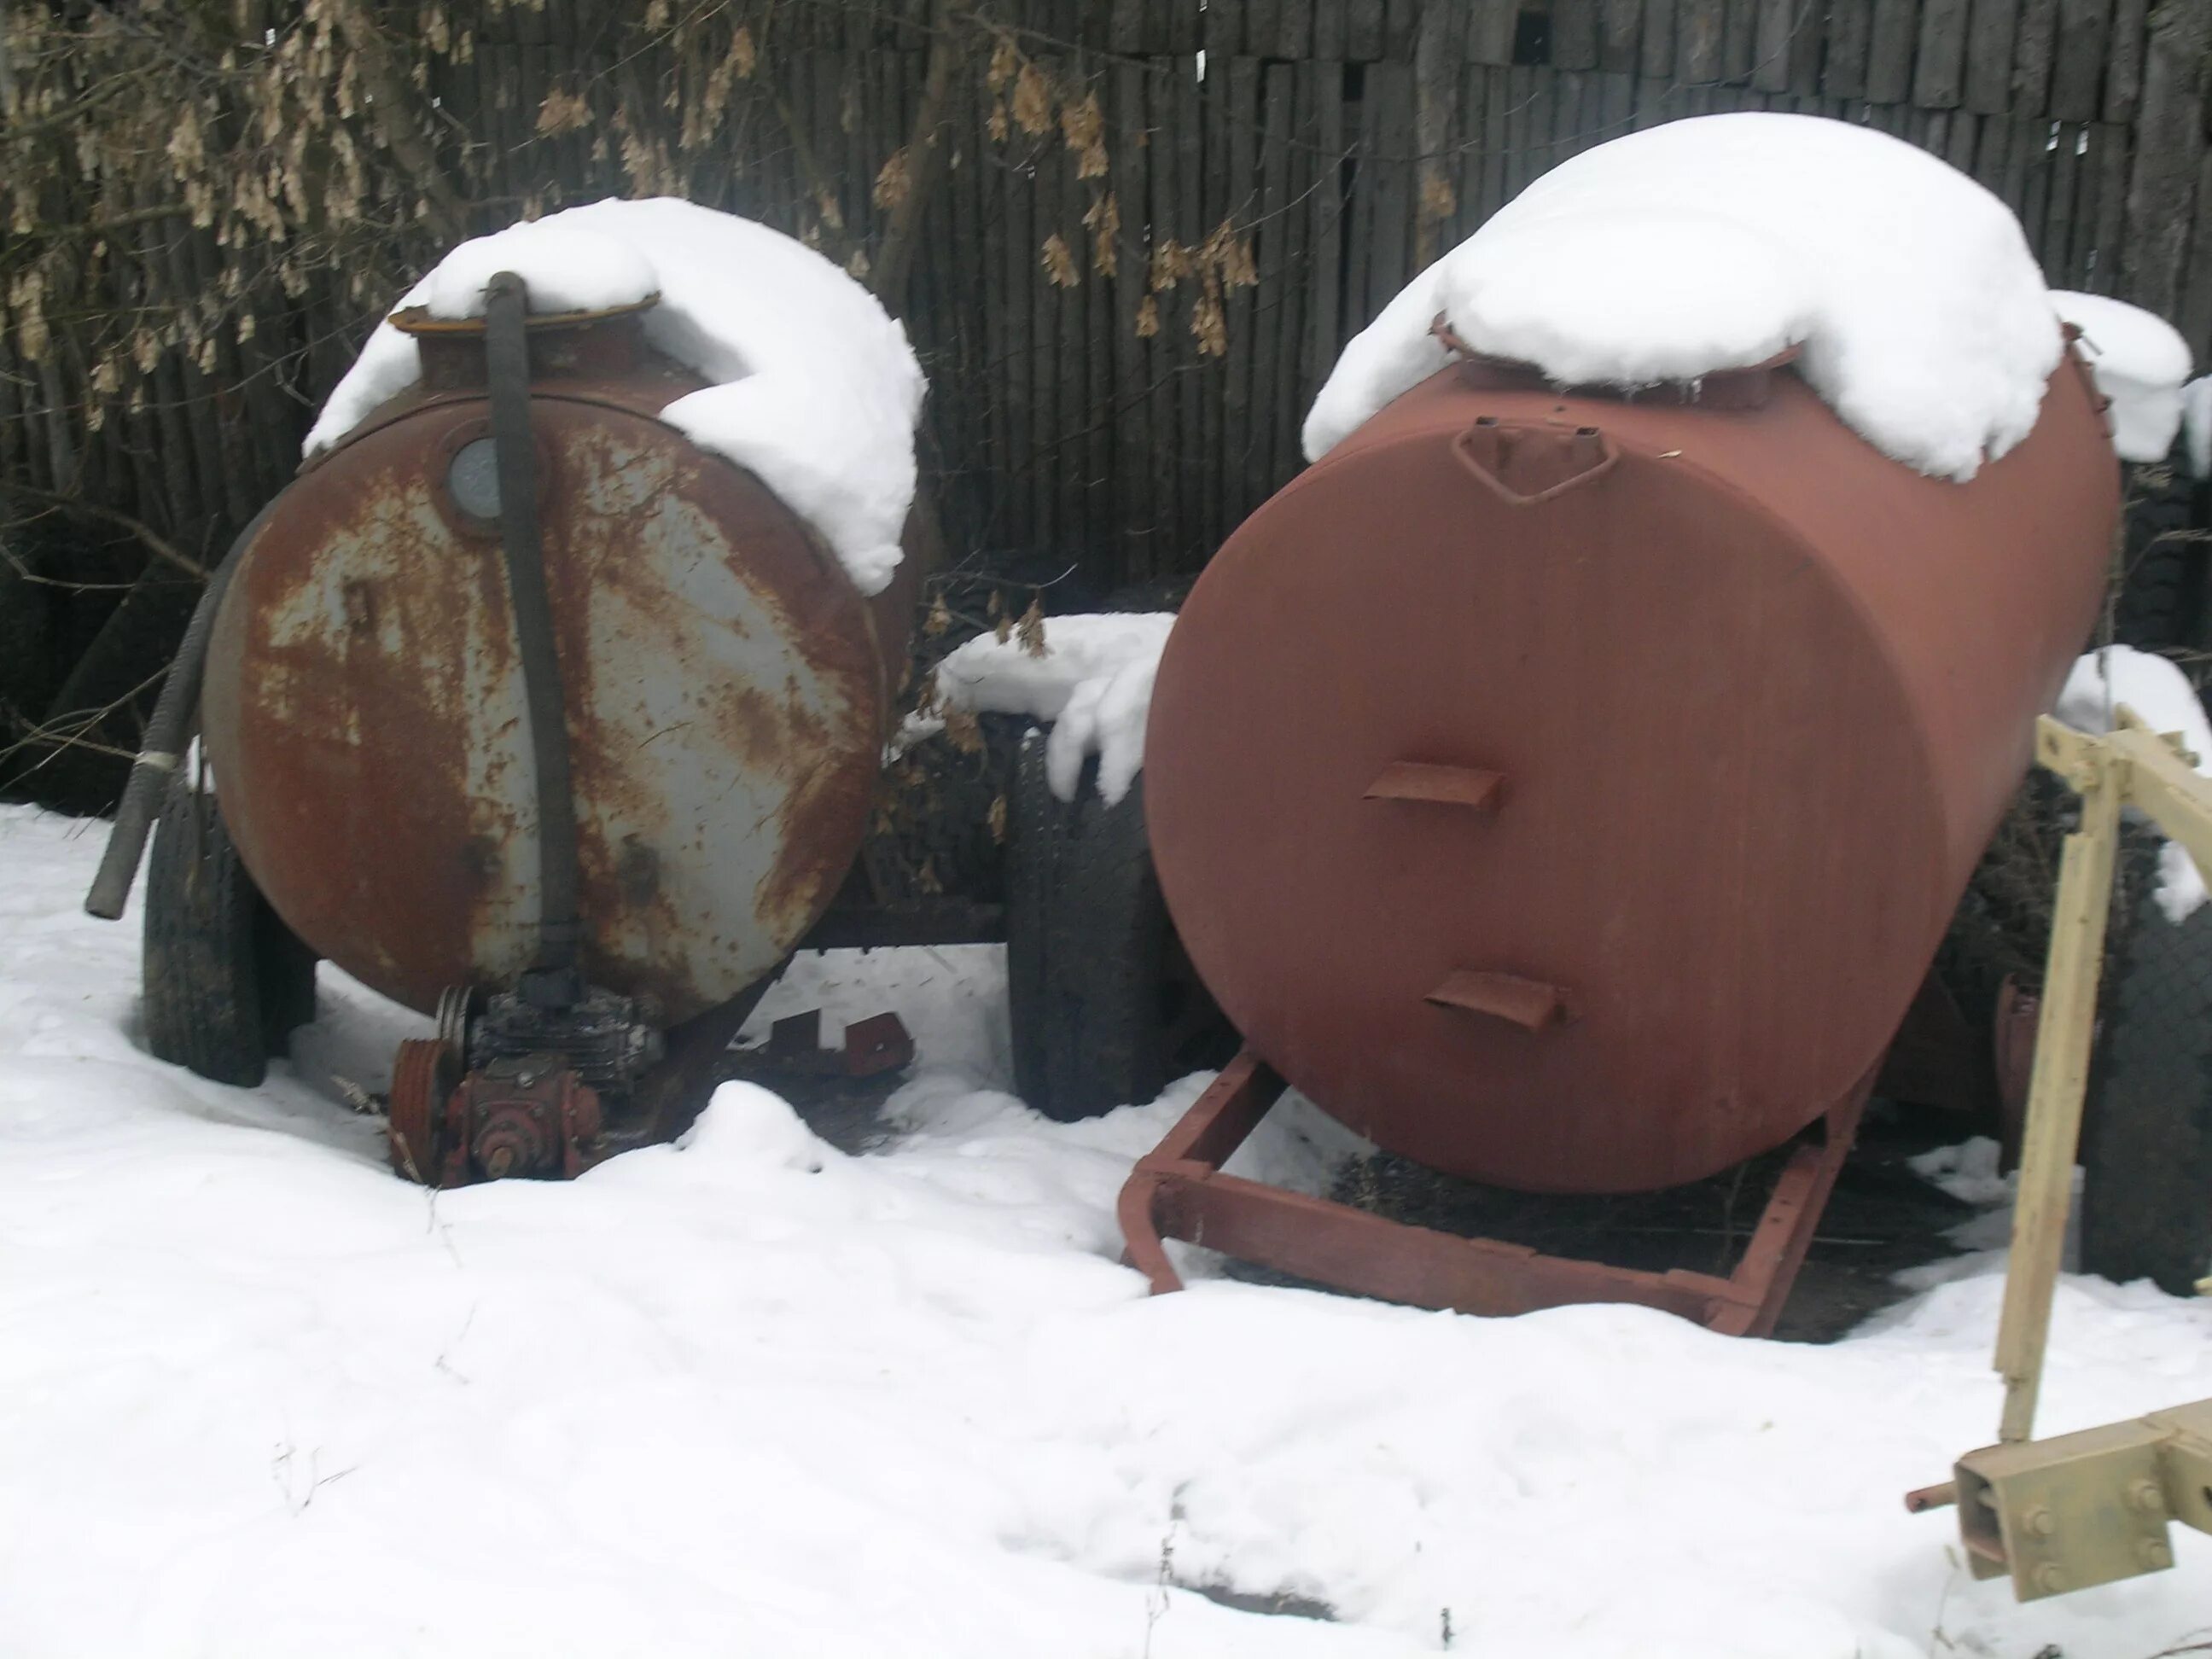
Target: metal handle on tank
{"x":1590,"y":455}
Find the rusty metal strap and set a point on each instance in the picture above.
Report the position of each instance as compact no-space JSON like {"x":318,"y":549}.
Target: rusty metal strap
{"x":507,"y":363}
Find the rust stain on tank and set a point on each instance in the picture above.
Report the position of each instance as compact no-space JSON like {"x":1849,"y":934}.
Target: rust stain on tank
{"x":724,"y":683}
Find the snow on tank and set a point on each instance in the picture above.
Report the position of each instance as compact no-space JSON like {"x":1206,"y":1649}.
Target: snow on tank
{"x":812,"y":385}
{"x":1720,"y":242}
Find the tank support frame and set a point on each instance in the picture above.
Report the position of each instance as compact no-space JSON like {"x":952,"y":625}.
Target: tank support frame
{"x":1178,"y":1191}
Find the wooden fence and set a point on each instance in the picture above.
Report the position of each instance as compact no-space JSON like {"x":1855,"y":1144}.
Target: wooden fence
{"x":1156,"y":221}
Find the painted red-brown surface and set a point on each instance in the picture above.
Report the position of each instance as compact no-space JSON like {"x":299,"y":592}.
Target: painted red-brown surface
{"x":1757,"y":695}
{"x":726,"y":685}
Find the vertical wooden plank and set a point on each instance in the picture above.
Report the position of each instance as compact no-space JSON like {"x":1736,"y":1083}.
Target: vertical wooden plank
{"x":2105,"y":261}
{"x":1543,"y":148}
{"x":1183,"y":20}
{"x":1164,"y":350}
{"x":1466,"y":164}
{"x":1127,"y":154}
{"x":1655,"y":48}
{"x":2077,"y":66}
{"x":1616,"y":105}
{"x":1990,"y":44}
{"x":1739,"y":37}
{"x":1938,"y":67}
{"x":1322,"y":85}
{"x":1894,"y":29}
{"x":1262,"y":27}
{"x":2169,"y":150}
{"x":1436,"y":125}
{"x":1844,"y":72}
{"x":1959,"y":148}
{"x":1778,"y":23}
{"x":1519,"y":156}
{"x":1294,"y":35}
{"x":1489,"y":27}
{"x":1570,"y":130}
{"x":2194,"y":318}
{"x":1330,"y":18}
{"x":1363,"y":30}
{"x":2089,"y":192}
{"x":1048,"y":179}
{"x":1241,"y":414}
{"x":1275,"y":337}
{"x":2031,"y":165}
{"x":1392,"y":87}
{"x":1125,"y":27}
{"x":1808,"y":48}
{"x":1400,"y":20}
{"x":2125,"y":63}
{"x":1102,"y":498}
{"x":1017,"y":202}
{"x":1698,"y":25}
{"x":1360,"y":230}
{"x":1574,"y":34}
{"x":1618,"y":35}
{"x":1192,"y":462}
{"x":2033,"y":30}
{"x":2056,"y":231}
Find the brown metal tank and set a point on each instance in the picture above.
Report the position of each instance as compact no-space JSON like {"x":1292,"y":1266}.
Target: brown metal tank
{"x":727,"y":688}
{"x":1569,"y":793}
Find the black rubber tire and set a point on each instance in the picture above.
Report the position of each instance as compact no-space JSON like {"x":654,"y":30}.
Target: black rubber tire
{"x":1104,"y":1008}
{"x":2161,"y":589}
{"x":224,"y":980}
{"x":2147,"y":1132}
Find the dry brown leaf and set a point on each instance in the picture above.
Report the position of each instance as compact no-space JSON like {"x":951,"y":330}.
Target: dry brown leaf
{"x":997,"y":125}
{"x":1171,"y":263}
{"x":893,"y":182}
{"x":1005,"y":60}
{"x":1148,"y":317}
{"x":1058,"y":262}
{"x":563,"y":112}
{"x":1032,"y":101}
{"x":963,"y":730}
{"x":742,"y":53}
{"x":1083,"y":129}
{"x":1030,"y":629}
{"x":1104,"y":223}
{"x":996,"y":817}
{"x":1438,"y":201}
{"x":938,"y":619}
{"x":1208,"y":327}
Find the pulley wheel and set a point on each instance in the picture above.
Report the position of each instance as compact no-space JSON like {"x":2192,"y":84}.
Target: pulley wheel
{"x":423,"y":1078}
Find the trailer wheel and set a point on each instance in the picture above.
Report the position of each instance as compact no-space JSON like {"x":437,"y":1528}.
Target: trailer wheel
{"x":1105,"y":1008}
{"x":2160,"y":590}
{"x":225,"y":981}
{"x":2146,"y":1132}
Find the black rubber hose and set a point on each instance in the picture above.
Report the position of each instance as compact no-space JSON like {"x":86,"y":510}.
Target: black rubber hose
{"x":507,"y":362}
{"x":160,"y":752}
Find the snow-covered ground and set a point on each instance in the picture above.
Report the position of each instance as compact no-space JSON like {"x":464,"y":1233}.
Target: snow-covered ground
{"x":756,"y":1396}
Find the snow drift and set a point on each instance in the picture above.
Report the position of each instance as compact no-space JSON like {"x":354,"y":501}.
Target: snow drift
{"x":1093,"y":681}
{"x":1718,"y":242}
{"x":753,"y":1396}
{"x":814,"y":386}
{"x":2140,"y":361}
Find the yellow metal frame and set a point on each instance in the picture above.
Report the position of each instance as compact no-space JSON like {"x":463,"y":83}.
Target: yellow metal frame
{"x":2083,"y":1509}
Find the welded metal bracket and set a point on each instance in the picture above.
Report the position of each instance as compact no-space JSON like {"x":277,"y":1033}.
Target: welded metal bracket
{"x":2088,"y":1508}
{"x":1178,"y":1191}
{"x":2083,"y":1509}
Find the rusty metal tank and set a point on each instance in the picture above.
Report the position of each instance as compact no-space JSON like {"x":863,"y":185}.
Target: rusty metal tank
{"x":726,"y":685}
{"x":1569,"y":793}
